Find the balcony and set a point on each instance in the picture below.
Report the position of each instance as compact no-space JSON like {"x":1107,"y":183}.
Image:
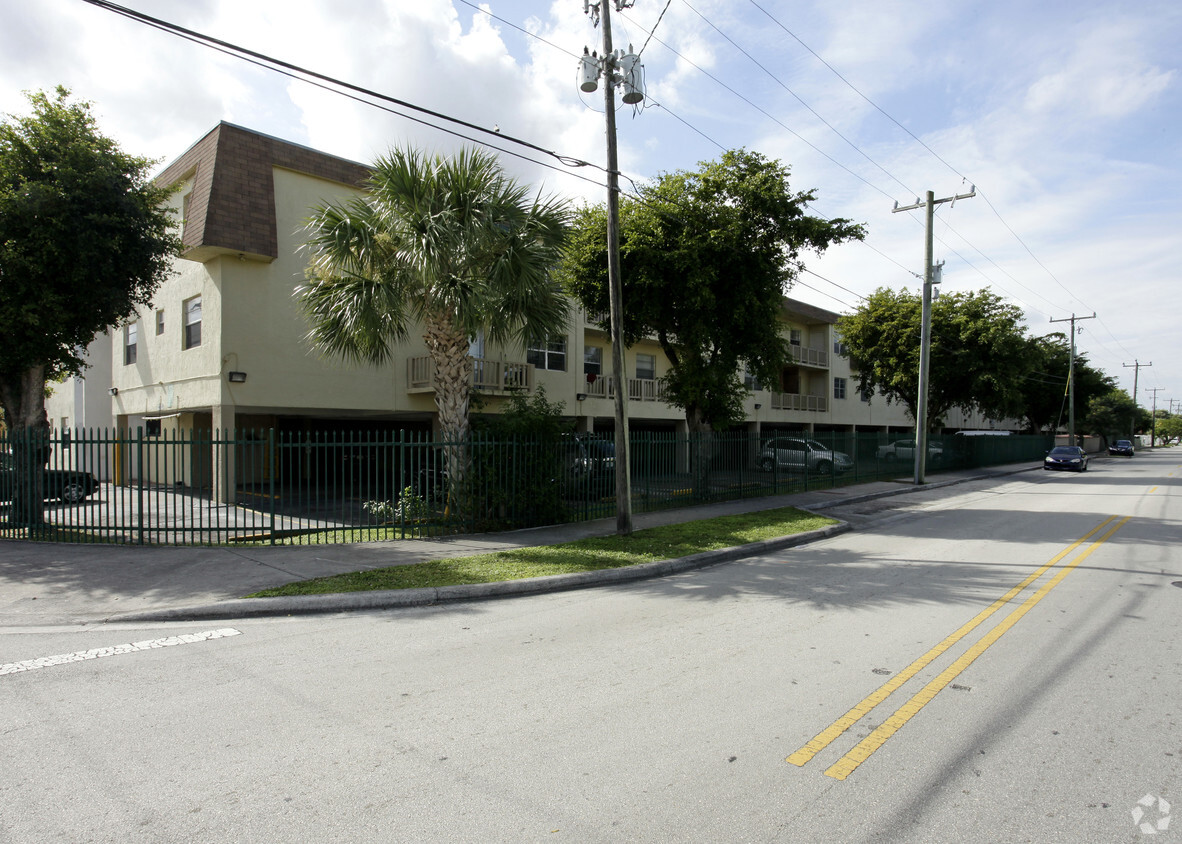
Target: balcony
{"x":639,"y":389}
{"x":795,"y":401}
{"x":816,"y":358}
{"x":488,"y":376}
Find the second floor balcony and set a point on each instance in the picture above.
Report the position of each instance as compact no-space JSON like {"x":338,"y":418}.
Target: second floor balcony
{"x":796,"y":401}
{"x":804,"y":356}
{"x":639,"y":389}
{"x":488,"y":376}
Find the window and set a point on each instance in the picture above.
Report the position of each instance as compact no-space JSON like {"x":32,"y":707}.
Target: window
{"x":192,"y":322}
{"x":551,"y":355}
{"x":152,"y":427}
{"x":476,"y":345}
{"x":159,"y":322}
{"x":646,"y":367}
{"x":794,"y":336}
{"x":750,"y":381}
{"x":593,"y":360}
{"x":839,"y":385}
{"x":185,"y":203}
{"x":839,"y":347}
{"x":130,"y":336}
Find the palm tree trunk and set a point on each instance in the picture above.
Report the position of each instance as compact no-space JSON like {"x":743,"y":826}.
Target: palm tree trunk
{"x":453,"y":384}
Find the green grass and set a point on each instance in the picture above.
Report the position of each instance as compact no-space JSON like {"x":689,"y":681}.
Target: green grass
{"x":607,"y":552}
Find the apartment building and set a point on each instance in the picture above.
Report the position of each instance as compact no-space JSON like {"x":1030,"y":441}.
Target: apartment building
{"x":222,"y":347}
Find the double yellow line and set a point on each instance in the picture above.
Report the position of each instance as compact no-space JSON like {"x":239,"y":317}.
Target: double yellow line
{"x":860,"y":753}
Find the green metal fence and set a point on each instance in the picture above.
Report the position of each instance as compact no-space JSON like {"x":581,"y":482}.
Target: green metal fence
{"x":203,"y":487}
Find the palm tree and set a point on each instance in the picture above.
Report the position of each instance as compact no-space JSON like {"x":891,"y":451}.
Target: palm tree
{"x":449,"y":244}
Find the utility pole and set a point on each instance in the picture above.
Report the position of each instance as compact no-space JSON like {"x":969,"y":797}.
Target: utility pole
{"x":1136,"y":367}
{"x":1153,"y":416}
{"x":617,"y":69}
{"x":925,"y":331}
{"x":1071,"y":376}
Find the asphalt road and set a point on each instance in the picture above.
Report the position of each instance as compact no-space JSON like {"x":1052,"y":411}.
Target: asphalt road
{"x":682,"y":709}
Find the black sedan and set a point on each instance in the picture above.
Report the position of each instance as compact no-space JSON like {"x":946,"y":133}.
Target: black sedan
{"x":1123,"y":447}
{"x":1066,"y":457}
{"x":68,"y":485}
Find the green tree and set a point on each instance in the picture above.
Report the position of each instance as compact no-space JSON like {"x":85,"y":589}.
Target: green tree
{"x":705,"y":258}
{"x":1044,"y":387}
{"x":1112,"y":415}
{"x":85,"y":238}
{"x":1169,"y":428}
{"x":449,"y":244}
{"x":979,"y":351}
{"x":533,"y":433}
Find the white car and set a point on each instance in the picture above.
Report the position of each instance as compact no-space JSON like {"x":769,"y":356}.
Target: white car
{"x":905,"y":450}
{"x":801,"y":454}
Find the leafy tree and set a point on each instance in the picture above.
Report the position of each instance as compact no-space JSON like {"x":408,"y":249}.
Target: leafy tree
{"x":1044,"y":388}
{"x":85,"y":238}
{"x":521,"y":463}
{"x":451,"y":244}
{"x":979,"y":351}
{"x":705,"y":258}
{"x":1112,"y":415}
{"x":1169,"y":428}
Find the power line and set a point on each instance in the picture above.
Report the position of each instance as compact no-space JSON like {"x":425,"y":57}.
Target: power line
{"x":935,"y":155}
{"x":326,"y":82}
{"x":797,"y":97}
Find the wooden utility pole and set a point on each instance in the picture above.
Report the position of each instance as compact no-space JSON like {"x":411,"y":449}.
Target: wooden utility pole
{"x":1136,"y":367}
{"x":1071,"y":376}
{"x":925,"y":331}
{"x":616,"y":70}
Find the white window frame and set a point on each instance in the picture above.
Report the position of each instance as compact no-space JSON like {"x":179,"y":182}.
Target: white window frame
{"x":191,"y":326}
{"x":130,"y":342}
{"x":550,"y":357}
{"x":651,"y":369}
{"x":593,"y":360}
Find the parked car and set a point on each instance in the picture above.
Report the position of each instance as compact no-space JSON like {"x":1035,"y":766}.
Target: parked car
{"x":1124,"y":447}
{"x":67,"y":485}
{"x":1070,"y":457}
{"x":802,"y":454}
{"x":589,"y":460}
{"x":905,"y":450}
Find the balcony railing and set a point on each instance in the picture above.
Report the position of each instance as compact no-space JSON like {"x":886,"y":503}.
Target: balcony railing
{"x":809,"y":357}
{"x":488,"y":376}
{"x":795,"y":401}
{"x":639,"y":389}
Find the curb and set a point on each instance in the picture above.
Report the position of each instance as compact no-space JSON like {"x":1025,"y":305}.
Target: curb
{"x":396,"y":598}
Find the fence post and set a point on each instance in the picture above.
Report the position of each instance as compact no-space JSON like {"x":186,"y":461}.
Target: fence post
{"x":271,"y":465}
{"x":139,"y":483}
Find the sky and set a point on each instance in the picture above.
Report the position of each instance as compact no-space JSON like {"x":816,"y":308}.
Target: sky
{"x":1065,"y":116}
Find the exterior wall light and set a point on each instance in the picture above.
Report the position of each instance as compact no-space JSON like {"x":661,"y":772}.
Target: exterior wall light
{"x":580,"y":396}
{"x":114,"y":391}
{"x":237,"y":377}
{"x":758,"y":405}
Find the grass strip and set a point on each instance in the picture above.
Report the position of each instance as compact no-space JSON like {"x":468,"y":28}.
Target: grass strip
{"x":605,"y":552}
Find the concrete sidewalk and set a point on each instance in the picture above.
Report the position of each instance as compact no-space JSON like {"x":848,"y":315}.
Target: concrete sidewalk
{"x":54,"y":584}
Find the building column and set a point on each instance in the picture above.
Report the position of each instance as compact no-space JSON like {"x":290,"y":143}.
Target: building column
{"x":225,"y":477}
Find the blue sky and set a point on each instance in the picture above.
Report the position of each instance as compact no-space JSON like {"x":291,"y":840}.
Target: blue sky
{"x":1065,"y":115}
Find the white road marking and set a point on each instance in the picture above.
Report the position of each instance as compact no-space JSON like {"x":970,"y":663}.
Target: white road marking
{"x":131,"y":647}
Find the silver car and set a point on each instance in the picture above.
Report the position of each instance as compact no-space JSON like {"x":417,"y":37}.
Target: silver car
{"x":800,"y":454}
